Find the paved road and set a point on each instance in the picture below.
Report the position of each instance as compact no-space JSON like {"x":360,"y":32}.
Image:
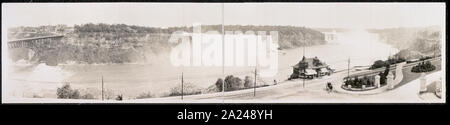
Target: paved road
{"x":287,"y":89}
{"x":280,"y":90}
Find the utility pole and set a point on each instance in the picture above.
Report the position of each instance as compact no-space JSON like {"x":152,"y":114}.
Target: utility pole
{"x":102,"y":89}
{"x":348,"y":69}
{"x":304,"y":50}
{"x":256,"y":69}
{"x":254,"y":84}
{"x":223,"y":51}
{"x":435,"y":49}
{"x":304,"y":80}
{"x":304,"y":70}
{"x":182,"y":86}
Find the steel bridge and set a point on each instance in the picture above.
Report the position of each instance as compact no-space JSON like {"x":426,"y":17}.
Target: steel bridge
{"x":41,"y":46}
{"x":47,"y":41}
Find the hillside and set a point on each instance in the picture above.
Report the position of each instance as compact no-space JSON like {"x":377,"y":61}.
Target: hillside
{"x":413,"y":42}
{"x":120,"y":43}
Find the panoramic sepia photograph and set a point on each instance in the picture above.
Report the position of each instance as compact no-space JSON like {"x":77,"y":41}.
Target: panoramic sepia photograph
{"x":223,"y":53}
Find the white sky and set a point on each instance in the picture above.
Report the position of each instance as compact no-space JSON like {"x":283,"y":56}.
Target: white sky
{"x":344,"y":15}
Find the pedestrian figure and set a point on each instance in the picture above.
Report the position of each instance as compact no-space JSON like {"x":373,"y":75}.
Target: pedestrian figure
{"x":329,"y":87}
{"x":275,"y":82}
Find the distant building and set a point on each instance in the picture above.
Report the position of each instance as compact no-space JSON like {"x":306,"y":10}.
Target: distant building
{"x":330,"y":36}
{"x":309,"y":68}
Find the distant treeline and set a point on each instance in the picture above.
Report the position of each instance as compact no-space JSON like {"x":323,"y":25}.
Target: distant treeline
{"x":120,"y":43}
{"x":290,"y":37}
{"x":332,"y":29}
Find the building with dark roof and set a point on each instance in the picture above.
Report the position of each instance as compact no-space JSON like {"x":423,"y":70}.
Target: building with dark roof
{"x":310,"y":68}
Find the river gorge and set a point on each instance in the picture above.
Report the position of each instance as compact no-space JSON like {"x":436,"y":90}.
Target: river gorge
{"x":159,"y":76}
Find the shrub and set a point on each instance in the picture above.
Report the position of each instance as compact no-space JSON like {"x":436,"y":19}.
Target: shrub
{"x":378,"y":64}
{"x":248,"y":82}
{"x":119,"y":97}
{"x":66,"y":92}
{"x":188,"y":89}
{"x":368,"y":80}
{"x":37,"y":96}
{"x":145,"y":95}
{"x":359,"y":82}
{"x":75,"y":95}
{"x":88,"y":96}
{"x":423,"y":67}
{"x":211,"y":89}
{"x":395,"y":60}
{"x":425,"y":58}
{"x":381,"y":63}
{"x":231,"y":83}
{"x":109,"y":94}
{"x":219,"y":84}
